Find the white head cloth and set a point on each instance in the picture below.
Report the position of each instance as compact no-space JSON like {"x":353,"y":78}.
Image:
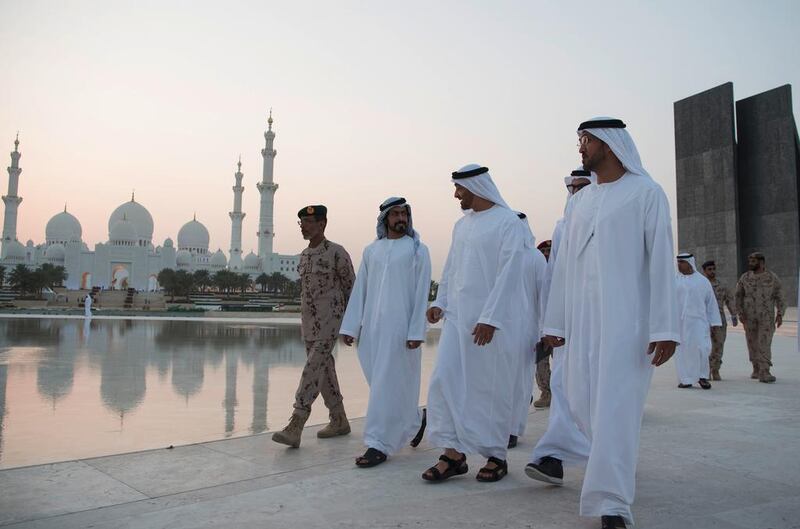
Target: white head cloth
{"x":531,"y":238}
{"x":385,"y":208}
{"x":688,"y":258}
{"x":568,"y":180}
{"x":481,"y":185}
{"x":621,"y":144}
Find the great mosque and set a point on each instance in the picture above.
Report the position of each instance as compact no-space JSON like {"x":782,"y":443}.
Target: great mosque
{"x":129,"y":259}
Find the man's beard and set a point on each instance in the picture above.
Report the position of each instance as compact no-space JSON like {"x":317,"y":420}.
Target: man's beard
{"x":399,"y":227}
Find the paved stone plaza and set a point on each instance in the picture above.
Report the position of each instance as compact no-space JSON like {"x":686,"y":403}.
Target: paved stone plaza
{"x":724,"y":458}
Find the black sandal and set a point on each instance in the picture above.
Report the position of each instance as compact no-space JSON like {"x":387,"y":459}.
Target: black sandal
{"x":454,"y":468}
{"x":495,"y":474}
{"x":371,"y":458}
{"x":418,"y":438}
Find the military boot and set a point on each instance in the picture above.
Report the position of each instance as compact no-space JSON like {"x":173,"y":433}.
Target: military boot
{"x":543,"y":401}
{"x":339,"y":424}
{"x":293,"y":431}
{"x":715,"y":374}
{"x":765,"y":376}
{"x":755,"y":375}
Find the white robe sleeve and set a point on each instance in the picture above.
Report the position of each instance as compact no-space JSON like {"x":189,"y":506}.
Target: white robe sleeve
{"x":664,"y":314}
{"x":422,"y":272}
{"x":354,"y":314}
{"x":555,"y":311}
{"x":441,"y":293}
{"x":712,"y":308}
{"x":500,"y":304}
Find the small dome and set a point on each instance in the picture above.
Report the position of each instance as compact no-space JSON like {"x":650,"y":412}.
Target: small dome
{"x":251,"y":260}
{"x":14,"y":250}
{"x":55,"y":252}
{"x":63,"y":227}
{"x":122,"y":231}
{"x":183,"y":258}
{"x":193,"y":235}
{"x":29,"y":244}
{"x":136,"y":214}
{"x":168,"y":243}
{"x":219,"y":259}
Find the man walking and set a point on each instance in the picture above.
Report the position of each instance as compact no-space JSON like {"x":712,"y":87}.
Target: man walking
{"x":471,"y":395}
{"x":760,"y":305}
{"x":613,"y":307}
{"x":326,"y":278}
{"x":719,"y":334}
{"x":386,"y":314}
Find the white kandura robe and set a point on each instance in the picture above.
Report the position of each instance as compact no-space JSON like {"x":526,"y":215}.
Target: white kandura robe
{"x":87,"y":306}
{"x":386,"y":309}
{"x":562,"y":439}
{"x":471,"y":394}
{"x":533,"y":284}
{"x":699,"y":312}
{"x":612,"y":293}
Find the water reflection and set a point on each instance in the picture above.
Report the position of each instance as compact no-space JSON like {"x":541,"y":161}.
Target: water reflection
{"x":107,"y":386}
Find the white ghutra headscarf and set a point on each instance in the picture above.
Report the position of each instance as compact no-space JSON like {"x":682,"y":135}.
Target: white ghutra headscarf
{"x":479,"y":182}
{"x":611,"y":131}
{"x":384,"y":210}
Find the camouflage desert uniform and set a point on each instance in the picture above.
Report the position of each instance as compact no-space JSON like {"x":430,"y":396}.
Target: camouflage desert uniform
{"x":326,"y":277}
{"x":757,"y":297}
{"x":718,"y":334}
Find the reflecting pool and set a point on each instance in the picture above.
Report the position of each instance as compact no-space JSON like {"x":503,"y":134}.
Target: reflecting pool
{"x":74,"y":388}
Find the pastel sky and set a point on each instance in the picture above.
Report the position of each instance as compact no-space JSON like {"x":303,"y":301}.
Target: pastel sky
{"x":370,"y":99}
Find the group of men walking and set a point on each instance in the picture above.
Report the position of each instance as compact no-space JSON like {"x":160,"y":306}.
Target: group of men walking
{"x":600,"y":298}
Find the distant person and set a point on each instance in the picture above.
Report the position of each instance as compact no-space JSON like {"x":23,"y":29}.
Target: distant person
{"x":761,"y":306}
{"x":699,"y":313}
{"x":719,"y":334}
{"x":87,"y":306}
{"x":543,"y":363}
{"x":529,"y":333}
{"x":386,"y":314}
{"x":613,"y":307}
{"x":326,"y":276}
{"x":471,"y":394}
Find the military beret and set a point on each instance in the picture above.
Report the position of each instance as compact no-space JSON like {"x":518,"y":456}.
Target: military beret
{"x":318,"y":211}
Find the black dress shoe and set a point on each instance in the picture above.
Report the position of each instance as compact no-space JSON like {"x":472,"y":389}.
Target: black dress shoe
{"x":512,"y":441}
{"x":684,"y":386}
{"x":704,"y":383}
{"x":612,"y":522}
{"x":549,"y":470}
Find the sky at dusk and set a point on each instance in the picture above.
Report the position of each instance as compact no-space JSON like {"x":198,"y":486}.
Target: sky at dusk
{"x":370,"y":100}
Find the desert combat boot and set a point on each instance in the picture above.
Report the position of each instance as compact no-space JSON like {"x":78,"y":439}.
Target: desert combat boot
{"x":293,"y":431}
{"x":339,"y":424}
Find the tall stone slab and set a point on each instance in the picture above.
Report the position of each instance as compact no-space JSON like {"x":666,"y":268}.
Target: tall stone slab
{"x":705,"y":162}
{"x":769,"y":178}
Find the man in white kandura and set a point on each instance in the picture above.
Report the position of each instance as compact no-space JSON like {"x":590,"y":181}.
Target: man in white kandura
{"x":563,"y":439}
{"x":386,"y":314}
{"x":87,"y":306}
{"x":471,"y":395}
{"x":533,"y":280}
{"x":698,"y":312}
{"x":614,"y":308}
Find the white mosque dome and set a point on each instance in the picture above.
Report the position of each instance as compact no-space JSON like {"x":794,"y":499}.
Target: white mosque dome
{"x":251,"y":260}
{"x":183,"y":258}
{"x":15,"y":250}
{"x":123,"y":231}
{"x":168,"y":243}
{"x":55,"y":252}
{"x":193,"y":235}
{"x":137,"y":215}
{"x":63,"y":227}
{"x":219,"y":259}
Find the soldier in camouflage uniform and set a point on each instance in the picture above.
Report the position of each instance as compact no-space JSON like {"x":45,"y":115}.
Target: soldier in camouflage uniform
{"x":758,"y":296}
{"x":718,"y":334}
{"x":543,"y":365}
{"x":326,"y":278}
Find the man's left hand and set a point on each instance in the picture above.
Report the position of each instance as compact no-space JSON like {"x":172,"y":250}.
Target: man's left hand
{"x":778,"y":320}
{"x":413,"y":344}
{"x":661,"y":351}
{"x":483,"y":334}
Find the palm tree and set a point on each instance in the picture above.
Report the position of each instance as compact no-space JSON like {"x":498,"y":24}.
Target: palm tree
{"x":20,"y":278}
{"x":202,"y":279}
{"x":263,"y":281}
{"x":166,"y":278}
{"x":243,"y":282}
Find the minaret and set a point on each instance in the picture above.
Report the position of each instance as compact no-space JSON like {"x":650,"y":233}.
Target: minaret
{"x":235,"y":262}
{"x":11,"y":199}
{"x":267,"y":189}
